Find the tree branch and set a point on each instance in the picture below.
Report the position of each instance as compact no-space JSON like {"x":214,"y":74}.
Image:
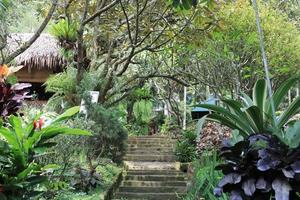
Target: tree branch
{"x":35,"y":36}
{"x":99,"y":12}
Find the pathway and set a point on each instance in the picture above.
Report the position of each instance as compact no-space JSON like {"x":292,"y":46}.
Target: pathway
{"x":152,"y":170}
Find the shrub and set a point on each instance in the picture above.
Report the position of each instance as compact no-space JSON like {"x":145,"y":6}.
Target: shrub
{"x":185,"y":150}
{"x":205,"y":177}
{"x":22,"y":144}
{"x":110,"y":136}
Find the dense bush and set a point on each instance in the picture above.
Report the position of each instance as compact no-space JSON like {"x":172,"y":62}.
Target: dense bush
{"x":23,"y":143}
{"x":185,"y":150}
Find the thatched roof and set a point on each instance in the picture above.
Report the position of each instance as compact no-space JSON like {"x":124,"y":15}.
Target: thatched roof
{"x":43,"y":53}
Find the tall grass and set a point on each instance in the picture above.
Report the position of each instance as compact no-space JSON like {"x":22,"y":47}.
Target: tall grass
{"x":205,"y":178}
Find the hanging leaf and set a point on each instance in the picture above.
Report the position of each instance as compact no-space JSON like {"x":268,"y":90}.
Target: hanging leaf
{"x":282,"y":189}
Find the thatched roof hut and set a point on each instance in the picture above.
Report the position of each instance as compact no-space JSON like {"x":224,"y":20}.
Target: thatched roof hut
{"x":40,"y":60}
{"x":43,"y":53}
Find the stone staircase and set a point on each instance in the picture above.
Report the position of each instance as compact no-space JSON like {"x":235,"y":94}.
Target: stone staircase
{"x":153,"y":172}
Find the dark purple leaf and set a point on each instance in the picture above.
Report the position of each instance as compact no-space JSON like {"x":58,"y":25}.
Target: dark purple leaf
{"x":232,"y":178}
{"x":288,"y":173}
{"x":249,"y":187}
{"x":261,"y":183}
{"x":20,"y":86}
{"x":264,"y":164}
{"x":282,"y":189}
{"x":267,"y":163}
{"x":218,"y":192}
{"x":296,"y":166}
{"x":263,"y":153}
{"x":235,"y":195}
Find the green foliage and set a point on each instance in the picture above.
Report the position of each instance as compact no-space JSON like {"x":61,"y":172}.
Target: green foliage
{"x":109,"y":135}
{"x":205,"y":177}
{"x":63,"y":85}
{"x":23,"y":143}
{"x":108,"y":173}
{"x":64,"y":31}
{"x":292,"y":136}
{"x":143,"y":110}
{"x":66,"y":91}
{"x":185,"y":150}
{"x":255,"y":115}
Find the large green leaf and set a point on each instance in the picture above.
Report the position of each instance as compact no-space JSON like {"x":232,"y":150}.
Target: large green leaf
{"x":235,"y":107}
{"x":292,"y":136}
{"x":199,"y":126}
{"x":247,"y":100}
{"x":226,"y":122}
{"x":67,"y":114}
{"x":281,"y":92}
{"x":50,"y":132}
{"x":240,"y":122}
{"x":16,"y":124}
{"x":255,"y":117}
{"x":291,"y":110}
{"x":259,"y":94}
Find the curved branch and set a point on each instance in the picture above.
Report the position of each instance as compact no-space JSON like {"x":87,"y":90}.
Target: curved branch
{"x":35,"y":36}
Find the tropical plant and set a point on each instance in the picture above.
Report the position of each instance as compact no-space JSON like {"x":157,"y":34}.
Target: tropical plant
{"x":23,"y":143}
{"x":65,"y":32}
{"x":260,"y":167}
{"x":205,"y":177}
{"x":12,"y":97}
{"x":255,"y":115}
{"x":185,"y":150}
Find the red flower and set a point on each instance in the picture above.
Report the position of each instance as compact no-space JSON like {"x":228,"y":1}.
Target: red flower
{"x":38,"y":124}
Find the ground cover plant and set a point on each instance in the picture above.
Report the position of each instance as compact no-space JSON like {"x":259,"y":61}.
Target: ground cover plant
{"x":205,"y":177}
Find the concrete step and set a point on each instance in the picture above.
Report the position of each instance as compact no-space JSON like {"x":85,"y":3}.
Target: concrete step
{"x":157,"y":141}
{"x":148,"y":137}
{"x":165,"y":189}
{"x":153,"y":152}
{"x":154,"y":172}
{"x":135,"y":165}
{"x":149,"y":196}
{"x":154,"y":183}
{"x":156,"y":178}
{"x":139,"y":145}
{"x":152,"y":148}
{"x":150,"y":157}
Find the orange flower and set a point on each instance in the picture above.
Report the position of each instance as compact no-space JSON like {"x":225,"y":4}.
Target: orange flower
{"x":4,"y":71}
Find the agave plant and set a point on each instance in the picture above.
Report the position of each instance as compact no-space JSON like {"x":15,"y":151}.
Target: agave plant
{"x":22,"y":144}
{"x":254,"y":115}
{"x":12,"y":97}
